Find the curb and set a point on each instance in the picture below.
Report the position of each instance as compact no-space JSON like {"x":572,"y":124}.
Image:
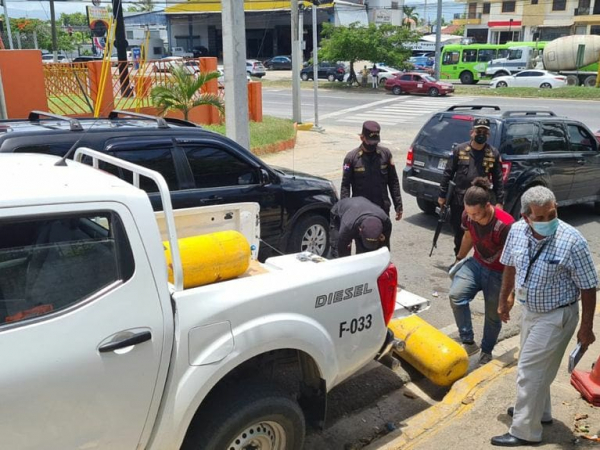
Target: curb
{"x":456,"y":402}
{"x":276,"y":146}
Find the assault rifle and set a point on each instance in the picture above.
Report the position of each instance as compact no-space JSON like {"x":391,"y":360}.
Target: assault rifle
{"x":444,"y":216}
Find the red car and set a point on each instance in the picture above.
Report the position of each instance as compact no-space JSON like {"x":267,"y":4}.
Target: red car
{"x":597,"y":134}
{"x":417,"y":83}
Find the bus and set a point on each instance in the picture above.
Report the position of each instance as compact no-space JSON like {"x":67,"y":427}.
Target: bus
{"x":468,"y":62}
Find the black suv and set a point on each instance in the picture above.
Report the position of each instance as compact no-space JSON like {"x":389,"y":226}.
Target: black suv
{"x":325,"y":70}
{"x":537,"y":148}
{"x":201,"y":168}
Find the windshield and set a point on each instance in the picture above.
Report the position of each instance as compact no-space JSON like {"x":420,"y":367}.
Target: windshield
{"x":515,"y":54}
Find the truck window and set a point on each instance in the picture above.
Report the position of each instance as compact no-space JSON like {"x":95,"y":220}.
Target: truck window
{"x":581,"y":140}
{"x":159,"y":159}
{"x":554,"y":138}
{"x":518,"y":139}
{"x":52,"y":263}
{"x":216,"y":167}
{"x":486,"y":55}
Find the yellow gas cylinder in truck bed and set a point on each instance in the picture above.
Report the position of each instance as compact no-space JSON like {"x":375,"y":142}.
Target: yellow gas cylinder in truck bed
{"x":430,"y":351}
{"x":210,"y":257}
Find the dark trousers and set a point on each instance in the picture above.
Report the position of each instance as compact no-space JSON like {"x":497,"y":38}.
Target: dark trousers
{"x":456,"y":212}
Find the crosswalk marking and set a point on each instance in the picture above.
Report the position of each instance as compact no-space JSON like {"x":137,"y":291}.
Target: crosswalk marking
{"x":399,"y":111}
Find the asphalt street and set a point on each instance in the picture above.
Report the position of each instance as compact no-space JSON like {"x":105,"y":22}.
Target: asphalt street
{"x":361,"y":407}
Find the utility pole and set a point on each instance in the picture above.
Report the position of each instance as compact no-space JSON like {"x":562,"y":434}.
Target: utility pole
{"x":315,"y":52}
{"x":53,"y":31}
{"x":234,"y":65}
{"x":296,"y":64}
{"x":121,"y":45}
{"x":438,"y":40}
{"x":7,"y":21}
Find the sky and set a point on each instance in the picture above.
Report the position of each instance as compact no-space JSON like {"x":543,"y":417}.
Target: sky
{"x":41,"y":9}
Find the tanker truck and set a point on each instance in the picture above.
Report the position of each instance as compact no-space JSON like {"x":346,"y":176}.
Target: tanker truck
{"x":563,"y":55}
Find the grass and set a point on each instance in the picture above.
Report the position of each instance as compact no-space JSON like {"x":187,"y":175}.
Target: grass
{"x":271,"y":130}
{"x":574,"y":93}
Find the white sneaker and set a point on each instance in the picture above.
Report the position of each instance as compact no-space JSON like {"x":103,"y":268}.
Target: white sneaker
{"x":471,"y":349}
{"x":485,"y":358}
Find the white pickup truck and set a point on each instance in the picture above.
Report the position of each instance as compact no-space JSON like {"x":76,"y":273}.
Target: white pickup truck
{"x":101,"y":351}
{"x":179,"y":51}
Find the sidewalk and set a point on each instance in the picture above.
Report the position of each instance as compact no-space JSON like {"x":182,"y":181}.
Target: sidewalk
{"x":475,"y":408}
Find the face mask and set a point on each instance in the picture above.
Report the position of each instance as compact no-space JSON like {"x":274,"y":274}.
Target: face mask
{"x":480,"y":139}
{"x":545,"y":228}
{"x":370,"y":147}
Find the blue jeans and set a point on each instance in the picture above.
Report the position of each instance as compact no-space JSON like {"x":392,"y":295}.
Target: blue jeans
{"x":468,"y":281}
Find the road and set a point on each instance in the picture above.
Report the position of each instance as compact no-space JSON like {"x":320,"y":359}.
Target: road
{"x":367,"y":398}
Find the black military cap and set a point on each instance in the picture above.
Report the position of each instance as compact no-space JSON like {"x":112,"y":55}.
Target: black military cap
{"x":371,"y":229}
{"x":481,"y":123}
{"x":370,"y":131}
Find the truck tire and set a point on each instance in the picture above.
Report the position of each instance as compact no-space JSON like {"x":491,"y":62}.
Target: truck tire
{"x":466,"y":77}
{"x":572,"y":80}
{"x":500,"y":73}
{"x":590,"y":81}
{"x":257,"y":416}
{"x":310,"y":234}
{"x":426,"y":206}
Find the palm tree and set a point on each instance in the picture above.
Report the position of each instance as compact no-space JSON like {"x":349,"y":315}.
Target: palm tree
{"x":410,"y":14}
{"x":142,"y":6}
{"x":183,"y":92}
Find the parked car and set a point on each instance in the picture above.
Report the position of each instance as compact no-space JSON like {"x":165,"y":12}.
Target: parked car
{"x":221,"y":78}
{"x":530,"y":78}
{"x":537,"y":148}
{"x":417,"y":83}
{"x":200,"y":51}
{"x":597,"y":134}
{"x":279,"y":63}
{"x":79,"y":59}
{"x":384,"y":74}
{"x":49,"y":58}
{"x":181,"y":52}
{"x":325,"y":70}
{"x":255,"y":68}
{"x":201,"y":168}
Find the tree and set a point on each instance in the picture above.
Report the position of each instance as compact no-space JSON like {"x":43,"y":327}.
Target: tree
{"x":182,"y":93}
{"x":410,"y":13}
{"x":73,"y":20}
{"x":460,"y":31}
{"x":372,"y":43}
{"x":142,"y":6}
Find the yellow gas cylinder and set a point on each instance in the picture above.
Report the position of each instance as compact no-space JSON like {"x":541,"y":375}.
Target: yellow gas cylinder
{"x":210,"y":257}
{"x":430,"y":351}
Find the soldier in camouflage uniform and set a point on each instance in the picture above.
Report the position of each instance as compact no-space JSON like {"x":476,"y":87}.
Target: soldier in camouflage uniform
{"x":470,"y":160}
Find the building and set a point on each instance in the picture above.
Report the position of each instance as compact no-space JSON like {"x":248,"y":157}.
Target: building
{"x":196,"y":24}
{"x":529,"y":20}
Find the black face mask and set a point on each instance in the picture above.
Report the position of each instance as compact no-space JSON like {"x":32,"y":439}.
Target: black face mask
{"x":480,"y":139}
{"x":370,"y":147}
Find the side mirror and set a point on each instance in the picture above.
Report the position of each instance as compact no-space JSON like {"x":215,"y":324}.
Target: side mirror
{"x":265,"y":178}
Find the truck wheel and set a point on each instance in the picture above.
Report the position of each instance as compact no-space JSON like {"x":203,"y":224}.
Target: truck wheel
{"x":572,"y":80}
{"x":258,"y":416}
{"x":466,"y":77}
{"x":590,"y":81}
{"x":310,"y":234}
{"x":426,"y":206}
{"x":304,"y":76}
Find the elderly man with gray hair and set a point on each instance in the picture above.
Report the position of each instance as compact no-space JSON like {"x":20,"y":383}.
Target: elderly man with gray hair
{"x":548,"y":266}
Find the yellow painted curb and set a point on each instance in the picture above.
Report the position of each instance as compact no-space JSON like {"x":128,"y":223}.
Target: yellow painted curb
{"x":304,"y":126}
{"x":457,"y":401}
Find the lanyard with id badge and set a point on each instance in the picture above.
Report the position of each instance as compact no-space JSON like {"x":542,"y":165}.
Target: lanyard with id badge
{"x":521,"y":292}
